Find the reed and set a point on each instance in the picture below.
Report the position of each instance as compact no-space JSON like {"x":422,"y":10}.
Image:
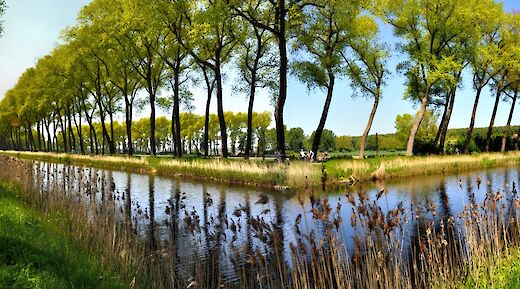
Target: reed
{"x":416,"y":247}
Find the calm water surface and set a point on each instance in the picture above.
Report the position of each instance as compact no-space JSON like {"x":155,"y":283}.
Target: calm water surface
{"x":207,"y":220}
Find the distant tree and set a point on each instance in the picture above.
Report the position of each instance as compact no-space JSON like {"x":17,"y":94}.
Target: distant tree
{"x":425,"y":134}
{"x":295,"y":138}
{"x":344,"y":143}
{"x":328,"y":140}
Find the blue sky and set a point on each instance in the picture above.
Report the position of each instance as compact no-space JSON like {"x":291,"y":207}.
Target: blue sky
{"x":32,"y":29}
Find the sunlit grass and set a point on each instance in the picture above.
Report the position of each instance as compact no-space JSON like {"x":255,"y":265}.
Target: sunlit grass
{"x":398,"y":167}
{"x":36,"y":253}
{"x":293,"y":174}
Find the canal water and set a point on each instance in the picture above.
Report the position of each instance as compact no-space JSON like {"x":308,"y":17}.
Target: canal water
{"x":204,"y":220}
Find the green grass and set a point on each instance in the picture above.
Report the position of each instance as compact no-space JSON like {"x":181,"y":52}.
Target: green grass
{"x":504,"y":274}
{"x":36,"y":253}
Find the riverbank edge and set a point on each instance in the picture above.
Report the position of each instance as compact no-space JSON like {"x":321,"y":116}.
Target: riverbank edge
{"x":278,"y":176}
{"x":41,"y":254}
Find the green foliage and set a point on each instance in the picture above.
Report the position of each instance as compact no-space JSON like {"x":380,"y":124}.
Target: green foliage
{"x":328,"y":140}
{"x":344,"y":143}
{"x":426,"y":133}
{"x":295,"y":139}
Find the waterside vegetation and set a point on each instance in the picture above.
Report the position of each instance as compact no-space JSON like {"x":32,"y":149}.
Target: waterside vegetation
{"x":292,"y":174}
{"x":422,"y":246}
{"x":36,"y":251}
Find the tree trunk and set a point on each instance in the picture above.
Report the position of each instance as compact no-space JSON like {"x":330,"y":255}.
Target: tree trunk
{"x":472,"y":121}
{"x":210,"y":87}
{"x":323,"y":119}
{"x":508,"y":126}
{"x":493,"y":115}
{"x":63,"y":133}
{"x":443,"y":119}
{"x":282,"y":95}
{"x":153,"y":150}
{"x":111,"y":143}
{"x":176,"y":111}
{"x":417,"y":123}
{"x":72,"y":137}
{"x":49,"y":141}
{"x":39,"y":136}
{"x":444,"y":128}
{"x":220,"y":111}
{"x":369,"y":126}
{"x":249,"y":138}
{"x":128,"y":121}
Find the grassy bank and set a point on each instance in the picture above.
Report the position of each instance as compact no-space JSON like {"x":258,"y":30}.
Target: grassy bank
{"x":36,"y":253}
{"x":505,"y":273}
{"x":296,"y":174}
{"x":402,"y":167}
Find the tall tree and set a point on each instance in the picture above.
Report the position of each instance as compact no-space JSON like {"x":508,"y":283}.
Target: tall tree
{"x":329,"y":25}
{"x":257,"y":65}
{"x":210,"y":40}
{"x":428,"y":29}
{"x":145,"y":42}
{"x":486,"y":50}
{"x":366,"y":70}
{"x":278,"y":17}
{"x":116,"y":55}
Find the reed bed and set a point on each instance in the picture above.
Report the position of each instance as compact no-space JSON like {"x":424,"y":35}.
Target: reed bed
{"x":417,"y":247}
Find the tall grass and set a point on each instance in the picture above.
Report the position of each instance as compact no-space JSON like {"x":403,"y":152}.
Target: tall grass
{"x":402,"y":167}
{"x":417,"y":247}
{"x":294,"y":174}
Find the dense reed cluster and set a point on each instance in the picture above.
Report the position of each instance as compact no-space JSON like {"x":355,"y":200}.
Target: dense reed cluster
{"x":421,"y":246}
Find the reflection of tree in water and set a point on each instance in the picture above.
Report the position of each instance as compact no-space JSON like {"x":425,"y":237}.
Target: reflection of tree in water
{"x":470,"y":192}
{"x":173,"y":209}
{"x":276,"y":250}
{"x":152,"y":240}
{"x":128,"y":201}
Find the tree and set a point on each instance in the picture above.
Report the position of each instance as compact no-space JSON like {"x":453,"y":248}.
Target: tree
{"x":366,"y":70}
{"x":344,"y":143}
{"x":145,"y":42}
{"x":425,"y":134}
{"x":175,"y":56}
{"x":117,"y":55}
{"x":278,"y":17}
{"x":508,"y":65}
{"x":295,"y":138}
{"x":487,"y":50}
{"x":428,"y":29}
{"x":257,"y":65}
{"x":328,"y":26}
{"x":210,"y":40}
{"x":512,"y":94}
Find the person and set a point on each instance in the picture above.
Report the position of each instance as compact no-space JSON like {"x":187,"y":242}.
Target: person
{"x":302,"y":154}
{"x":311,"y":156}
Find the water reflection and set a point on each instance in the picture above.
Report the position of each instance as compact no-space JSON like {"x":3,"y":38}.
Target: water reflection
{"x":230,"y":230}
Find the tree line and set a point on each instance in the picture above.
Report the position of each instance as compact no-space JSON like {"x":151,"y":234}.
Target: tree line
{"x":120,"y":50}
